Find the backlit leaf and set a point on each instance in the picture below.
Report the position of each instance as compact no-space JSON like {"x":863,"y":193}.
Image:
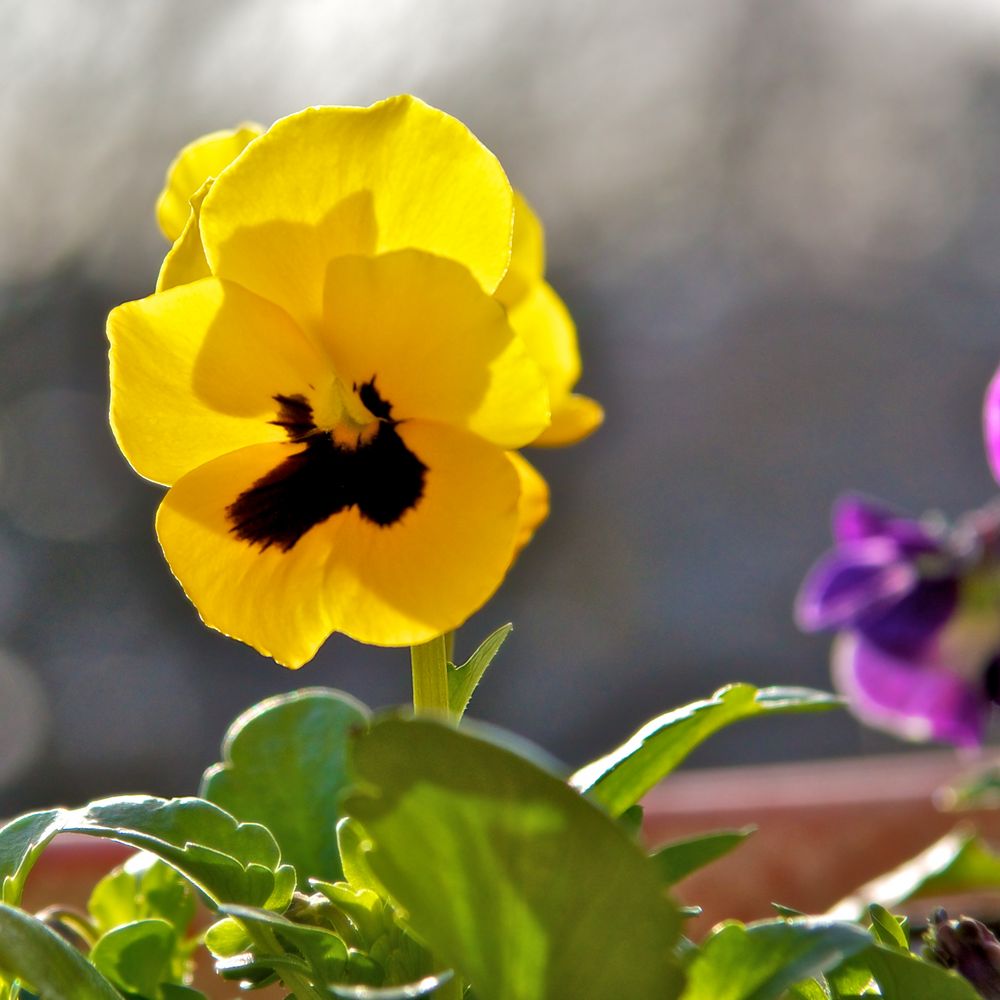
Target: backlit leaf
{"x":887,"y":929}
{"x":469,"y":836}
{"x":621,"y":778}
{"x":957,"y":863}
{"x":682,"y":857}
{"x":763,"y":960}
{"x":462,"y":680}
{"x":903,"y":976}
{"x":229,"y":861}
{"x":283,"y":767}
{"x":32,"y":952}
{"x":136,"y":957}
{"x":21,"y":842}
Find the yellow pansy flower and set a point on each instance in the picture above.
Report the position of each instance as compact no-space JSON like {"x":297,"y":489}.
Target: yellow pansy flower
{"x":327,"y":384}
{"x":539,"y":316}
{"x":198,"y":161}
{"x":535,"y":310}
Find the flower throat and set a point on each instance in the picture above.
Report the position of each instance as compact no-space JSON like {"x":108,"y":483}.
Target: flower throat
{"x":379,"y":475}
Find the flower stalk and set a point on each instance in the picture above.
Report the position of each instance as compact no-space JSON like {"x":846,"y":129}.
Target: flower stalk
{"x":429,"y":662}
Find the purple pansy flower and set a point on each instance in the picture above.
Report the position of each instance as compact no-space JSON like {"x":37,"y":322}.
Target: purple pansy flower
{"x":991,"y":423}
{"x":917,"y":606}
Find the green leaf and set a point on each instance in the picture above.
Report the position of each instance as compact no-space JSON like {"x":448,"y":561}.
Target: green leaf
{"x":410,"y":991}
{"x":903,"y":976}
{"x":763,"y":960}
{"x":679,"y":859}
{"x":468,"y":836}
{"x":957,"y":863}
{"x":787,"y":911}
{"x":256,"y":970}
{"x":54,"y":968}
{"x":283,"y":767}
{"x":136,"y":957}
{"x":354,"y":844}
{"x":809,"y":989}
{"x":171,"y":991}
{"x":145,"y":888}
{"x":21,"y":842}
{"x":142,"y":888}
{"x":621,"y":778}
{"x":324,"y":952}
{"x":227,"y":937}
{"x":631,"y":820}
{"x":851,"y":979}
{"x":887,"y":929}
{"x":306,"y":935}
{"x":364,"y":909}
{"x":227,"y":860}
{"x":462,"y":681}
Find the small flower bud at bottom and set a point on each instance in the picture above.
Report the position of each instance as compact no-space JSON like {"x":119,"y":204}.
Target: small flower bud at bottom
{"x":969,"y":947}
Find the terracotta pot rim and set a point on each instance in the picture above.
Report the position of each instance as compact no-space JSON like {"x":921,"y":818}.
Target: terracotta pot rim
{"x":885,"y":780}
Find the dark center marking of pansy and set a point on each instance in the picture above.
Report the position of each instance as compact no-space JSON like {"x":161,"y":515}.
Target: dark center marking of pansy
{"x":373,"y":401}
{"x":991,"y":680}
{"x":380,"y":476}
{"x":295,"y":415}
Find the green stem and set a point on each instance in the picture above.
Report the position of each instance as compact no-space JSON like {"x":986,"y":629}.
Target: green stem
{"x":430,"y":677}
{"x":267,"y":942}
{"x":63,"y":919}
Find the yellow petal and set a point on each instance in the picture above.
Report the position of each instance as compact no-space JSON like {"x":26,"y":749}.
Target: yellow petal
{"x":533,"y":503}
{"x":527,"y":255}
{"x":195,"y":163}
{"x":437,"y":346}
{"x":539,"y":316}
{"x":573,"y":418}
{"x":544,"y":324}
{"x":194,"y":373}
{"x":393,"y":586}
{"x":429,"y":572}
{"x":185,"y":261}
{"x":273,"y":600}
{"x":333,"y":181}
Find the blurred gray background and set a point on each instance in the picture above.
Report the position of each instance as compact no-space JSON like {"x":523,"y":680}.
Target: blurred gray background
{"x":777,"y":223}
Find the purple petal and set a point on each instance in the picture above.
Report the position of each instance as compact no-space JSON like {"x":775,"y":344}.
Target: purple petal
{"x":918,"y":700}
{"x":850,"y":581}
{"x":856,"y":518}
{"x":991,"y":424}
{"x":907,"y":625}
